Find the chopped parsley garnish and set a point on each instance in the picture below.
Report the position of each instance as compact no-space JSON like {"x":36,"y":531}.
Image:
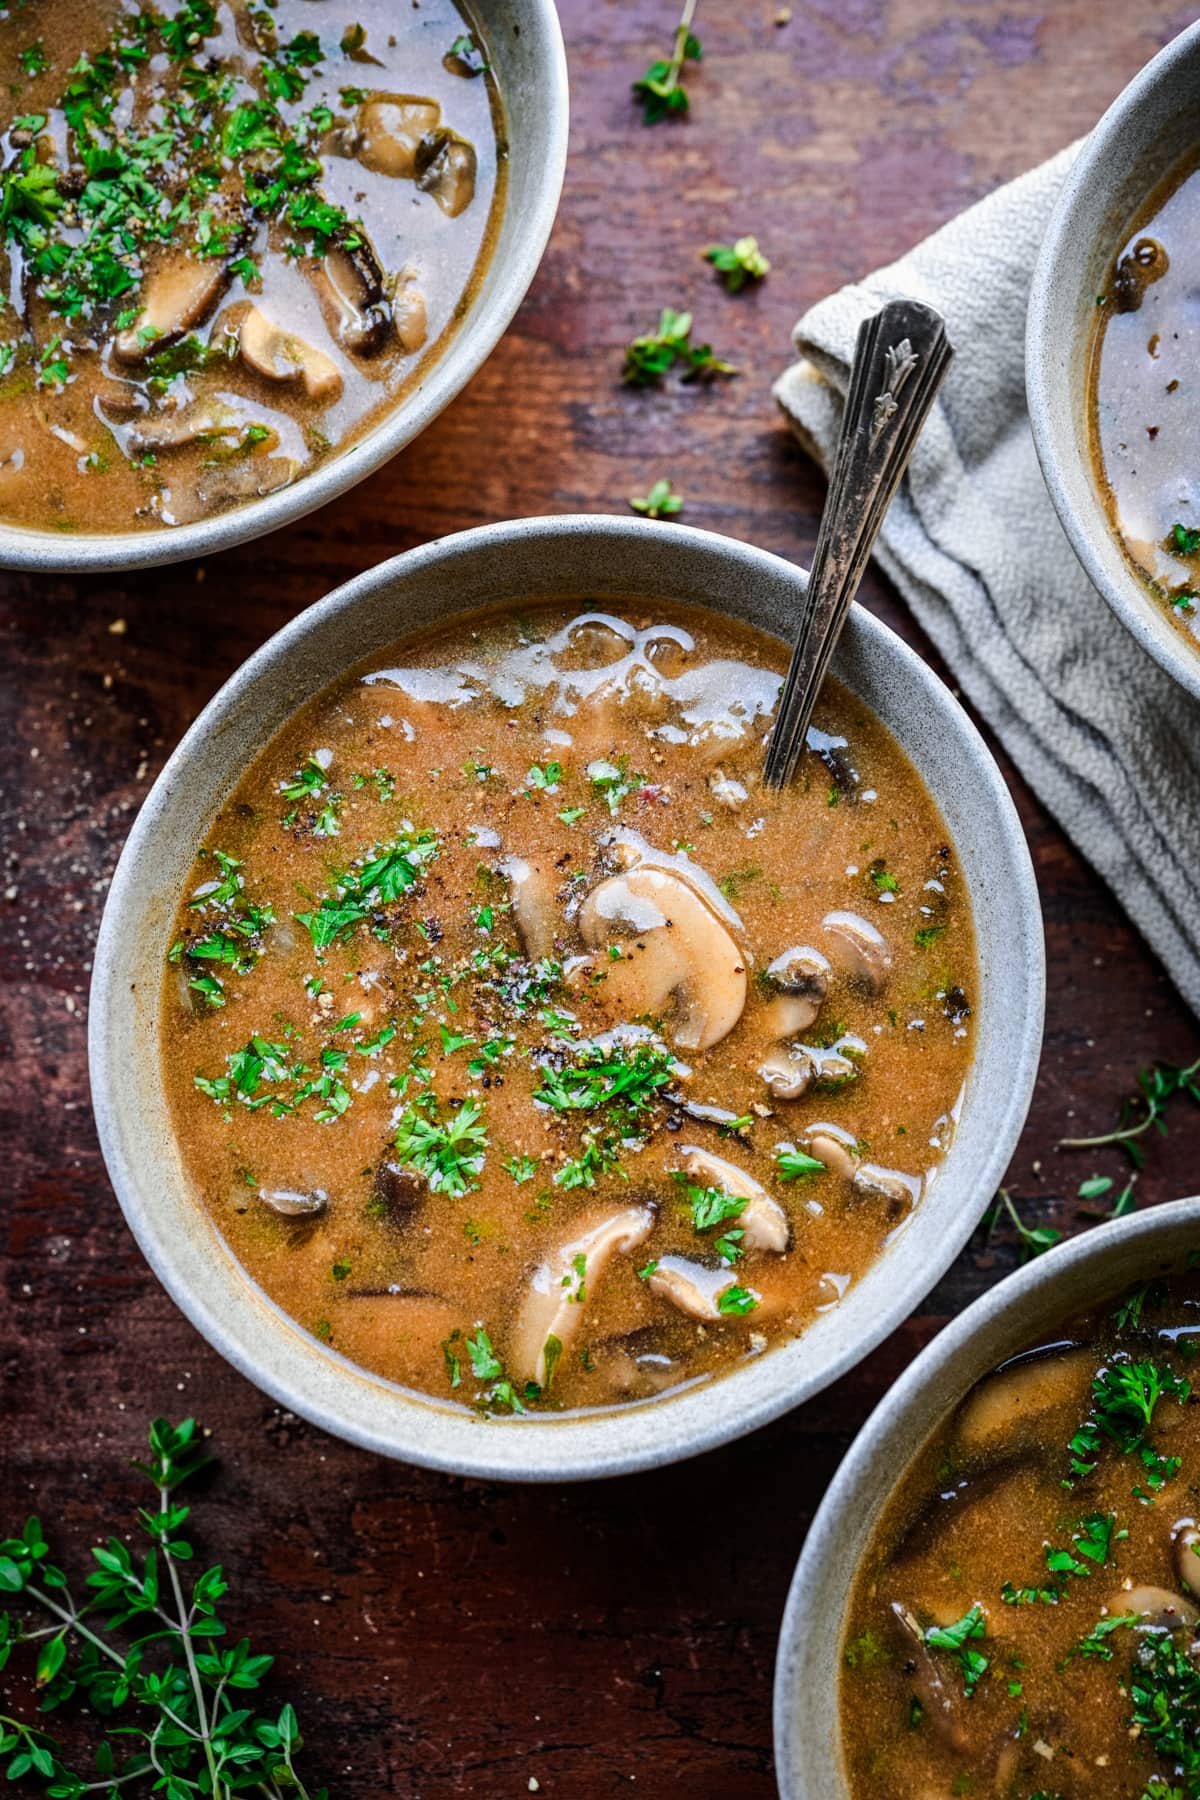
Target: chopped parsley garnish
{"x":448,"y":1153}
{"x":736,"y":1302}
{"x":1185,"y":539}
{"x":792,"y":1164}
{"x":1124,"y":1397}
{"x":468,"y":55}
{"x":363,"y":893}
{"x":957,"y":1639}
{"x":623,"y":1084}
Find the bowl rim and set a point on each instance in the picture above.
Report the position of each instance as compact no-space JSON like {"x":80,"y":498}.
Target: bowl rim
{"x":590,"y":1444}
{"x":882,"y":1435}
{"x":1135,"y":610}
{"x":49,"y":552}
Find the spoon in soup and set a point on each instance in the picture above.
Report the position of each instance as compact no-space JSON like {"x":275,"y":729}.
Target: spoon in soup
{"x":900,"y":359}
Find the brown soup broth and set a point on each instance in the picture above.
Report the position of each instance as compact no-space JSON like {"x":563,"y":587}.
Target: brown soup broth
{"x":1071,"y":1542}
{"x":596,"y":881}
{"x":306,"y":200}
{"x":1144,"y":401}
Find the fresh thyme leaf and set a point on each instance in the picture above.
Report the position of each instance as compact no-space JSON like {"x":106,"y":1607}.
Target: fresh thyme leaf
{"x":738,"y":262}
{"x":649,"y":357}
{"x":660,"y":503}
{"x":1158,"y":1086}
{"x":660,"y":92}
{"x":1035,"y":1239}
{"x":147,"y":1641}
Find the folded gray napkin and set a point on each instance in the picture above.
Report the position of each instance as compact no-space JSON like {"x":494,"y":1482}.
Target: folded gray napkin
{"x":1106,"y":739}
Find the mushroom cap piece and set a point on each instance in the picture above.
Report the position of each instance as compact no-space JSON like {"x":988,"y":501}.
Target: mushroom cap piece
{"x":409,"y":319}
{"x":1186,"y":1540}
{"x":446,"y":167}
{"x":279,"y":355}
{"x":690,"y":1286}
{"x":533,"y":886}
{"x":1006,"y":1410}
{"x":353,"y":282}
{"x":788,"y":1070}
{"x":561,"y":1285}
{"x":762,"y":1219}
{"x":859,"y":948}
{"x":292,"y":1203}
{"x":834,"y":1146}
{"x":941,"y":1706}
{"x":179,"y":292}
{"x":390,"y":126}
{"x":681,"y":951}
{"x":1158,"y":1608}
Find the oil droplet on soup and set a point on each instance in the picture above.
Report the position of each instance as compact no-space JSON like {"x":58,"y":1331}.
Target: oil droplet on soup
{"x":1025,"y":1620}
{"x":529,"y":1051}
{"x":1145,"y":424}
{"x":232,"y":239}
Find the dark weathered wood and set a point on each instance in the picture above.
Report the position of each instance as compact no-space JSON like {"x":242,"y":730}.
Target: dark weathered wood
{"x":446,"y":1638}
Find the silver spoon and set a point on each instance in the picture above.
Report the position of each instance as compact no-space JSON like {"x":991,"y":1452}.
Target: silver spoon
{"x":900,"y":358}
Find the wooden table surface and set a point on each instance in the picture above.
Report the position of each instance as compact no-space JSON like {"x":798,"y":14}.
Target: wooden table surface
{"x":443,"y":1637}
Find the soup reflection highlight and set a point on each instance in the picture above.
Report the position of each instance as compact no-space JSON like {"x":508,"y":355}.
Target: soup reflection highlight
{"x":528,"y":1050}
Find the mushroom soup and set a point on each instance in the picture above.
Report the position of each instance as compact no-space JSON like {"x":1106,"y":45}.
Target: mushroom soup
{"x":1025,"y":1623}
{"x":1144,"y":414}
{"x":232,"y":239}
{"x":531,"y":1053}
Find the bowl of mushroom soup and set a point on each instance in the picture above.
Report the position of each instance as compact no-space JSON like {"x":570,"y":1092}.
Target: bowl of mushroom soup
{"x":536,"y":1094}
{"x":252,"y":254}
{"x":998,"y":1590}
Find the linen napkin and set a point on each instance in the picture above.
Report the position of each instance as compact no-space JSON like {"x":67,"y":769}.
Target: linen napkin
{"x":1106,"y":739}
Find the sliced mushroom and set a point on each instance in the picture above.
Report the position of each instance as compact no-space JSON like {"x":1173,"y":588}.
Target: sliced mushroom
{"x":858,"y":948}
{"x":900,"y":1190}
{"x":1010,"y":1406}
{"x":279,"y":355}
{"x":680,"y":951}
{"x":446,"y":167}
{"x":390,"y":127}
{"x":293,"y":1203}
{"x":801,"y":973}
{"x":834,"y":1146}
{"x":704,"y":1113}
{"x":788,"y":1070}
{"x":246,"y":478}
{"x":561,"y":1285}
{"x":762,"y":1219}
{"x":409,"y":318}
{"x":398,"y":1190}
{"x":353,"y":280}
{"x":690,"y":1286}
{"x":183,"y":426}
{"x":1158,"y":1608}
{"x":938,"y":1704}
{"x":179,"y":293}
{"x":533,"y":887}
{"x":1186,"y":1542}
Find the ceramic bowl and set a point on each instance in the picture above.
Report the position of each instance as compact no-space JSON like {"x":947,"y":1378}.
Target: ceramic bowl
{"x":1144,"y":134}
{"x":524,"y":42}
{"x":1011,"y":1316}
{"x":606,"y":560}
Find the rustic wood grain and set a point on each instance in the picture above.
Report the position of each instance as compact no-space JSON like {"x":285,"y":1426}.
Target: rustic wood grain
{"x":445,"y":1638}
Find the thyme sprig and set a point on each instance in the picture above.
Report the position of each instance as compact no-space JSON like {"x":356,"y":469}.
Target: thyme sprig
{"x":1157,"y":1085}
{"x":143,"y":1650}
{"x":660,"y":92}
{"x":650,"y":356}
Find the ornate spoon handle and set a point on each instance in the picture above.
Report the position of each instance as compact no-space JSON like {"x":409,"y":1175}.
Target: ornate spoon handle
{"x":900,"y":358}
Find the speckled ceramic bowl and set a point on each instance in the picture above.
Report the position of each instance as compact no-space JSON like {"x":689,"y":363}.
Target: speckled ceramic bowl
{"x":1142,"y":136}
{"x":606,"y":560}
{"x":1007,"y":1319}
{"x":524,"y":42}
